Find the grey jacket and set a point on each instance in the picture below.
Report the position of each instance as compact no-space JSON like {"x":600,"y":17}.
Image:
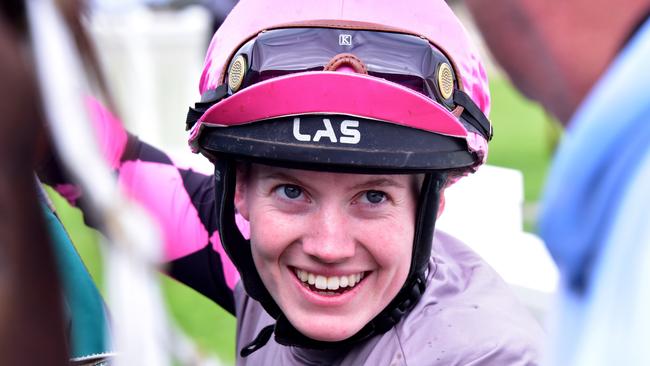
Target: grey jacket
{"x":467,"y":316}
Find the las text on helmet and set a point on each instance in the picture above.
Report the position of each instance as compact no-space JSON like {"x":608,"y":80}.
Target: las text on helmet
{"x":349,"y":134}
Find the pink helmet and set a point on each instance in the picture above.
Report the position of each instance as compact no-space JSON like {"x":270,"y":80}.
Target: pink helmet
{"x":330,"y":85}
{"x":430,"y":20}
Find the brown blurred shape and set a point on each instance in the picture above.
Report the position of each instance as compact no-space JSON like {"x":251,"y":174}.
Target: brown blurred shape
{"x":555,"y":50}
{"x":32,"y":327}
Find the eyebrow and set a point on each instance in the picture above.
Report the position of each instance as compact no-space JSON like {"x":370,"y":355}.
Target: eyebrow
{"x":368,"y":184}
{"x":282,"y":176}
{"x":378,"y":182}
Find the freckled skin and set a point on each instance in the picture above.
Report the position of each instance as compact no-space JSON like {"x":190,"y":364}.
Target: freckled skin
{"x":332,"y":227}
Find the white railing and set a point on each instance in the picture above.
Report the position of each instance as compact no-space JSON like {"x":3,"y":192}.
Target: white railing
{"x":485,"y":211}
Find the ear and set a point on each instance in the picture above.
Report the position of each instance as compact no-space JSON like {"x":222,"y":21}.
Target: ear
{"x":241,"y":187}
{"x":441,"y":203}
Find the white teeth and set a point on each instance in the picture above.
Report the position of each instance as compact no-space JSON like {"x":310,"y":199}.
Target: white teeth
{"x":352,"y":280}
{"x":329,"y":283}
{"x":332,"y":283}
{"x":304,"y":276}
{"x":321,"y":282}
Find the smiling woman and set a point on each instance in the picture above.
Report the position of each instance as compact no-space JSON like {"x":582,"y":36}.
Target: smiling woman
{"x":332,"y":249}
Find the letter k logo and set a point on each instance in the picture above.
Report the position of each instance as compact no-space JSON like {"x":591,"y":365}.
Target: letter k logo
{"x":345,"y":40}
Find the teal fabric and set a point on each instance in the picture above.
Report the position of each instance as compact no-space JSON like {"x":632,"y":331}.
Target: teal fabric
{"x":86,"y":310}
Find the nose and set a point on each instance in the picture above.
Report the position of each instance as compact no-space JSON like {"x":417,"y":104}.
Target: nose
{"x":330,"y":240}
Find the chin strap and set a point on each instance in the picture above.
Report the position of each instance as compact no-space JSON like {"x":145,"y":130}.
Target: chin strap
{"x":260,"y":341}
{"x":236,"y":246}
{"x":287,"y":335}
{"x":239,"y":251}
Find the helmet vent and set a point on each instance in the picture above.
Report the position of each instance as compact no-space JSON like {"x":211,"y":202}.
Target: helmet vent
{"x":236,"y":73}
{"x":445,"y":81}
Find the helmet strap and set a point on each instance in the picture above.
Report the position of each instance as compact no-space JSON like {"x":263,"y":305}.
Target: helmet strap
{"x":236,"y":246}
{"x":239,"y":250}
{"x":208,"y":99}
{"x":473,"y":114}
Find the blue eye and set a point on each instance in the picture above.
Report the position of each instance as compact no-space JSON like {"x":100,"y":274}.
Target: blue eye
{"x":291,"y":191}
{"x":375,"y":197}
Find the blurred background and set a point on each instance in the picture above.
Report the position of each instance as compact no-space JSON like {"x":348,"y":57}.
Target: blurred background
{"x":152,"y":55}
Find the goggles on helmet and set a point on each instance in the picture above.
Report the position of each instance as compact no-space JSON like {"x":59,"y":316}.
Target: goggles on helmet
{"x":405,"y":60}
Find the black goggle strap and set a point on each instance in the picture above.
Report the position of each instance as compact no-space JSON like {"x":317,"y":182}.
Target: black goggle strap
{"x":473,"y":114}
{"x":208,"y":99}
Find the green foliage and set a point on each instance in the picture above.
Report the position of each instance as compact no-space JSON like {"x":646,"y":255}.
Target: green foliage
{"x":85,"y":239}
{"x":212,"y":328}
{"x":524,"y":136}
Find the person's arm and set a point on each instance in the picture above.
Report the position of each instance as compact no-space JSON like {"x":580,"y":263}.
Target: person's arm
{"x":180,"y":200}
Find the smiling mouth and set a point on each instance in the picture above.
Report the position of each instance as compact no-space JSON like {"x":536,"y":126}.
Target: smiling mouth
{"x":328,"y":285}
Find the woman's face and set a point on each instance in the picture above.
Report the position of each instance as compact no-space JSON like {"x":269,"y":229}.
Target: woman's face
{"x":332,"y":249}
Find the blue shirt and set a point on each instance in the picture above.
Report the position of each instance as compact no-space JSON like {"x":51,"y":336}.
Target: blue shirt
{"x":596,"y":222}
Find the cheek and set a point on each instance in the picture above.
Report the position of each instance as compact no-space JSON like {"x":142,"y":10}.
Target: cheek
{"x":271,"y":234}
{"x":390,"y":243}
{"x":395,"y":257}
{"x":394,"y":237}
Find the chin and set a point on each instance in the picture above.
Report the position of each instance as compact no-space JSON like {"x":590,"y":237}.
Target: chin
{"x":328,"y":331}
